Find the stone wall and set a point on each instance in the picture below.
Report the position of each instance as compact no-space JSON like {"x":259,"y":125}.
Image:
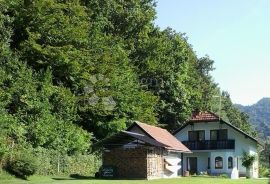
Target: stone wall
{"x":155,"y":164}
{"x":129,"y":163}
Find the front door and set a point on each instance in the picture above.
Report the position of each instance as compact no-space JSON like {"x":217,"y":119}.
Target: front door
{"x":192,"y":165}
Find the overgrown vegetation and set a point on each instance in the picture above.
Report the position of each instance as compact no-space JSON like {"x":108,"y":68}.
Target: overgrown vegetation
{"x":247,"y":161}
{"x":74,"y":71}
{"x":22,"y":165}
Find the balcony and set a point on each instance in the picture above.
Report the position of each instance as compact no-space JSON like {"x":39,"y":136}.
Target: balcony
{"x":210,"y":144}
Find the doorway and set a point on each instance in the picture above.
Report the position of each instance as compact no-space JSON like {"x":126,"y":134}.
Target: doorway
{"x":192,"y":165}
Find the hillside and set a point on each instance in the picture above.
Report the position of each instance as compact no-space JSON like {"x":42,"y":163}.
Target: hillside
{"x":74,"y":72}
{"x":259,"y":114}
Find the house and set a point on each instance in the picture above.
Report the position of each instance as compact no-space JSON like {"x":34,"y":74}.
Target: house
{"x":143,"y":151}
{"x":217,"y":146}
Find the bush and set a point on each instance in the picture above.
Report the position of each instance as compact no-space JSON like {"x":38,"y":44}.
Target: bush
{"x":264,"y":172}
{"x":5,"y":176}
{"x":48,"y":161}
{"x":22,"y":166}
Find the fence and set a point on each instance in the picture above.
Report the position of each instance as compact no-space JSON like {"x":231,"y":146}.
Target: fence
{"x":52,"y":162}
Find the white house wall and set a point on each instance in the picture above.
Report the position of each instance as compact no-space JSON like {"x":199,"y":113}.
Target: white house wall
{"x":202,"y":161}
{"x":242,"y":143}
{"x":173,"y":165}
{"x":225,"y":155}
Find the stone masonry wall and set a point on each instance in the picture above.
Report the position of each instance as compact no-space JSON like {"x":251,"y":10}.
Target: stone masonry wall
{"x":155,"y":164}
{"x":129,"y":163}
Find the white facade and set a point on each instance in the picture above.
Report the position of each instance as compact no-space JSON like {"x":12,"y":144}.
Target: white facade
{"x":172,"y":164}
{"x":206,"y":158}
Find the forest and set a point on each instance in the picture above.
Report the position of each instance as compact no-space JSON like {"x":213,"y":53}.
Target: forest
{"x":76,"y":71}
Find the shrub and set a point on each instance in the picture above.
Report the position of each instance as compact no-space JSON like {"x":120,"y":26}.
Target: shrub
{"x":264,"y":171}
{"x":247,"y":160}
{"x":22,"y":166}
{"x":49,"y":160}
{"x":5,"y":176}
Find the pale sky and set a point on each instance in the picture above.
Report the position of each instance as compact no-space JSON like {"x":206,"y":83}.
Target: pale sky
{"x":234,"y":33}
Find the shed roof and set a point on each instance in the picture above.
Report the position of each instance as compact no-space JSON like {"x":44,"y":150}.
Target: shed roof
{"x":125,"y":137}
{"x":161,"y":135}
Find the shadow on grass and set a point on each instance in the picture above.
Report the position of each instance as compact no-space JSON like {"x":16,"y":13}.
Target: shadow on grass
{"x":75,"y":177}
{"x":80,"y":177}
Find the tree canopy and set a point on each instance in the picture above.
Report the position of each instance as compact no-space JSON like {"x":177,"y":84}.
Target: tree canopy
{"x":75,"y":70}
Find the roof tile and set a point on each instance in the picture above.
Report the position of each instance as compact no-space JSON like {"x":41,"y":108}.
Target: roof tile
{"x":163,"y":136}
{"x":204,"y":116}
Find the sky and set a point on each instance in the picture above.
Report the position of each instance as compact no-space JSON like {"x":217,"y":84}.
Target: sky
{"x":234,"y":33}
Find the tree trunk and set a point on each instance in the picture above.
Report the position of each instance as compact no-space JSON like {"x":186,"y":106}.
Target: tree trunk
{"x":248,"y":174}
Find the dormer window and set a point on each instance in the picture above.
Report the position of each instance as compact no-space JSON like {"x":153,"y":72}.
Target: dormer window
{"x":221,"y":134}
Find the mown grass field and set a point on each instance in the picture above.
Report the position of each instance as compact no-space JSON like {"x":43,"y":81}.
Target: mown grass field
{"x":4,"y":179}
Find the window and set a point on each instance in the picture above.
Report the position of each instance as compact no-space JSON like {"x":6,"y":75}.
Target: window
{"x":192,"y":136}
{"x":201,"y":136}
{"x":221,"y":134}
{"x":230,"y":163}
{"x":196,"y":135}
{"x":218,"y":163}
{"x":213,"y":135}
{"x":209,"y":163}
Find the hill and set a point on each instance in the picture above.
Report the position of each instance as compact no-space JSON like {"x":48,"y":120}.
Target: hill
{"x":259,"y":114}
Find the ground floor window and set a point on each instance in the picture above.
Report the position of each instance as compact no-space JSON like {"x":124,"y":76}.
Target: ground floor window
{"x":218,"y":162}
{"x":230,"y":163}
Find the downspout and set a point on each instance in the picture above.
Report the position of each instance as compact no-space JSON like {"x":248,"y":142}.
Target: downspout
{"x":182,"y":164}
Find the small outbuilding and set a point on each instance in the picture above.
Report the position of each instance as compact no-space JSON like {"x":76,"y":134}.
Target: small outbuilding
{"x":143,"y":151}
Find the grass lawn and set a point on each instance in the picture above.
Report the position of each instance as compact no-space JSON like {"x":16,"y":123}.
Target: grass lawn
{"x":66,"y":180}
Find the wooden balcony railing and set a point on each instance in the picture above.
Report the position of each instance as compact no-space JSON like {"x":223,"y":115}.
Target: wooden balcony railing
{"x":210,"y":144}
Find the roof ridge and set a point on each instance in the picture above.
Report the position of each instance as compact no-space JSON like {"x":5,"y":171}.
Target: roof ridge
{"x":138,"y":122}
{"x":134,"y":133}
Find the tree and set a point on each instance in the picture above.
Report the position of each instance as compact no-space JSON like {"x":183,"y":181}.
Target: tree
{"x":247,"y":162}
{"x":53,"y":35}
{"x":93,"y":66}
{"x":113,"y":81}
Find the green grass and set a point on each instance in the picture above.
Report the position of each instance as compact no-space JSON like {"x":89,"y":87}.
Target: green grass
{"x":5,"y":179}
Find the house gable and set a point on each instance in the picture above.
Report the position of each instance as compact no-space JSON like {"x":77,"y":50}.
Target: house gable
{"x":207,"y":127}
{"x":209,"y":117}
{"x":217,"y":146}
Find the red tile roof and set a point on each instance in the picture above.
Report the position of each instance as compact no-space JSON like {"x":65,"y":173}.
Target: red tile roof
{"x":163,"y":136}
{"x":204,"y":117}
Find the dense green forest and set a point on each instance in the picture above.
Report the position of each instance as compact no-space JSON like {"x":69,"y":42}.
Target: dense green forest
{"x":75,"y":71}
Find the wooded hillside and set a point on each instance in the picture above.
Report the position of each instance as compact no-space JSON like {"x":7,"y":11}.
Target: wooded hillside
{"x":259,"y":114}
{"x":79,"y":70}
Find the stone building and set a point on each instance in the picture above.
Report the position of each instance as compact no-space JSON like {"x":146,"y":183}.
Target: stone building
{"x":143,"y":151}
